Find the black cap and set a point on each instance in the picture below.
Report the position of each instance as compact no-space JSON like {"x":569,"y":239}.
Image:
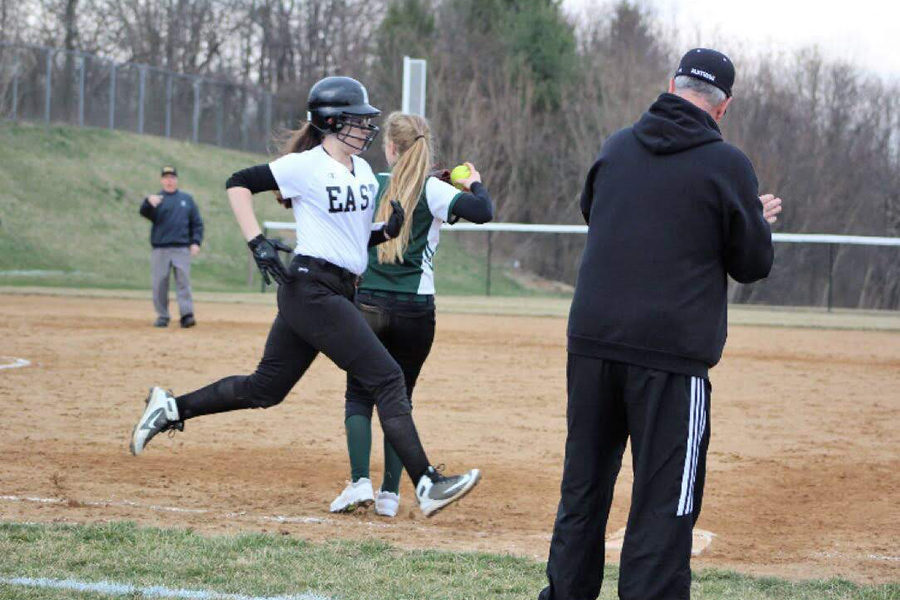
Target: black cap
{"x":710,"y":66}
{"x":168,"y":171}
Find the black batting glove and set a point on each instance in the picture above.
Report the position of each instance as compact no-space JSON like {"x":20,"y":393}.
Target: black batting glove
{"x":265,"y":253}
{"x":395,"y":222}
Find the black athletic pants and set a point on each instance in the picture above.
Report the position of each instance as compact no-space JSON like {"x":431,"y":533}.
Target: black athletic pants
{"x":406,"y":328}
{"x":667,"y":417}
{"x":316,"y":314}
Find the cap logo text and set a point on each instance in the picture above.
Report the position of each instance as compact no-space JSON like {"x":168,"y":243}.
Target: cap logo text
{"x":703,"y":74}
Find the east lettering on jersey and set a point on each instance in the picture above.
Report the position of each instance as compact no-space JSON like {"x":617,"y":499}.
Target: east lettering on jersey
{"x":340,"y":200}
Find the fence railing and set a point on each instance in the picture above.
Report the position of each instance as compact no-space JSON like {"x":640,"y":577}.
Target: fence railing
{"x":39,"y":83}
{"x":832,"y":242}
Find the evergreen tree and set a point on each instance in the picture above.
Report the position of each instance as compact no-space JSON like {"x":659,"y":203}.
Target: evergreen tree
{"x":407,"y":29}
{"x":534,"y":34}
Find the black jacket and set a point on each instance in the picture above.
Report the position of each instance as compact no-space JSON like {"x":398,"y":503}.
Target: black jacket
{"x":671,"y":209}
{"x":176,"y":221}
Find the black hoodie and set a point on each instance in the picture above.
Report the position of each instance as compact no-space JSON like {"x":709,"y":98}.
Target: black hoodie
{"x":671,"y":209}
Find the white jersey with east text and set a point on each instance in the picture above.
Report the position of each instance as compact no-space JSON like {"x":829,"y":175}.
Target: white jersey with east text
{"x":332,"y":206}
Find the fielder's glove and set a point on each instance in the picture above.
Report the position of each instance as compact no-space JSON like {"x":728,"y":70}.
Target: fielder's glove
{"x":442,"y":174}
{"x":265,"y":253}
{"x":395,"y":221}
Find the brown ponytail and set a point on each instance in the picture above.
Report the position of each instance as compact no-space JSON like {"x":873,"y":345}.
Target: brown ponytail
{"x":296,"y":140}
{"x":411,"y":136}
{"x":299,"y":140}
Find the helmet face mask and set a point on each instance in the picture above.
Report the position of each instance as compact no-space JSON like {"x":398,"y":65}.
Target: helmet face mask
{"x":356,"y":131}
{"x":340,"y":106}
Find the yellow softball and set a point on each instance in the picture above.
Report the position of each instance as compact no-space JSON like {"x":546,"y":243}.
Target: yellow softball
{"x":459,"y":173}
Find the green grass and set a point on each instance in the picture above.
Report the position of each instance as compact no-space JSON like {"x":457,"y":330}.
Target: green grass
{"x":69,"y":204}
{"x":68,"y":212}
{"x":267,"y":564}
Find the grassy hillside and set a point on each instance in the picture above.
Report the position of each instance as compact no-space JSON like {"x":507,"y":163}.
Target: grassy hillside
{"x":68,"y":212}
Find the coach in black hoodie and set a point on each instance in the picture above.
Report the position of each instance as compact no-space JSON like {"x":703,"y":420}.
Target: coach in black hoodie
{"x":672,"y":210}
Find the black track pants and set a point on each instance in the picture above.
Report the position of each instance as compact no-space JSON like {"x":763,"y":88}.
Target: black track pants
{"x":667,"y":417}
{"x":316,"y":314}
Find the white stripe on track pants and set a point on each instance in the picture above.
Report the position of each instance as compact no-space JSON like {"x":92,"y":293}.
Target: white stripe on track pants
{"x":666,"y":415}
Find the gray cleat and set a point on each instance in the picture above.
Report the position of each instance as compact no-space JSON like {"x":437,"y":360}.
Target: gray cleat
{"x":160,"y":414}
{"x":434,"y":491}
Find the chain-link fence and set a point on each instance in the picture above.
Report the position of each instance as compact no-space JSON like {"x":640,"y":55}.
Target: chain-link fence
{"x":54,"y":85}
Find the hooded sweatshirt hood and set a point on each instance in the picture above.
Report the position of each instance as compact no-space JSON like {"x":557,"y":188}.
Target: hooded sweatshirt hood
{"x":673,"y":124}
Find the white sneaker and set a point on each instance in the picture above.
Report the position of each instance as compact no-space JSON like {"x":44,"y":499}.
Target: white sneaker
{"x":356,"y":494}
{"x":387,"y":504}
{"x":160,"y":414}
{"x":434,"y":491}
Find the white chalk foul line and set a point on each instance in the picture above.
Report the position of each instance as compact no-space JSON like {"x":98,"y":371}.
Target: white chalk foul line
{"x":127,"y":503}
{"x":856,"y":556}
{"x":176,"y":509}
{"x":13,"y":362}
{"x":155,"y":591}
{"x":884,"y":557}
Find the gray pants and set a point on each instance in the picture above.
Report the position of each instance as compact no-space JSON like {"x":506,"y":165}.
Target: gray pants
{"x":162,"y":261}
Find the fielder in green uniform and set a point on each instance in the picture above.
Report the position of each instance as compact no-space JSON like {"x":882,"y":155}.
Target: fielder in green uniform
{"x":396,"y":295}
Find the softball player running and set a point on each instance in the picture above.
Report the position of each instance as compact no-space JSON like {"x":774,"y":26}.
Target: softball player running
{"x":332,"y":192}
{"x":396,"y":295}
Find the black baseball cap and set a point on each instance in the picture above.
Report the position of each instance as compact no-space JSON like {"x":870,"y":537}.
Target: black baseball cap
{"x":168,"y":171}
{"x":710,"y":66}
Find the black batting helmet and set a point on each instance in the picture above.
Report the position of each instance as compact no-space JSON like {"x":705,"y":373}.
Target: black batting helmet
{"x":337,"y":104}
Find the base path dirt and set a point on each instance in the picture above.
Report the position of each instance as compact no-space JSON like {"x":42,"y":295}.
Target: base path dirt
{"x":803,"y":466}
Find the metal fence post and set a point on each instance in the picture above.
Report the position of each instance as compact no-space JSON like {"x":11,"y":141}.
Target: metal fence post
{"x":220,"y":117}
{"x":488,"y":278}
{"x":268,"y":113}
{"x":112,"y":96}
{"x":142,"y":82}
{"x":830,"y":276}
{"x":15,"y":92}
{"x":196,"y":119}
{"x":244,"y":121}
{"x":49,"y":79}
{"x":81,"y":91}
{"x":169,"y":105}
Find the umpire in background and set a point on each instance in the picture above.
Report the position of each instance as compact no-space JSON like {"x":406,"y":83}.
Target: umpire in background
{"x":175,"y":236}
{"x":671,"y":210}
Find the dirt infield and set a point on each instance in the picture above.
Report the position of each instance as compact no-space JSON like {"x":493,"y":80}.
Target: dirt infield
{"x":803,"y":477}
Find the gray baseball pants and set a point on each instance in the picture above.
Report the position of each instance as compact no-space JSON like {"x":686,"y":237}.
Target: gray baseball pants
{"x":162,"y":262}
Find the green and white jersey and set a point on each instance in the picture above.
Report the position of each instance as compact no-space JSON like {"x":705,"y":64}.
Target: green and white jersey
{"x":415,"y":275}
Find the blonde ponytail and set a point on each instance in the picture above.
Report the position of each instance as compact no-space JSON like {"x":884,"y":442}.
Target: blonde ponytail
{"x":411,"y":137}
